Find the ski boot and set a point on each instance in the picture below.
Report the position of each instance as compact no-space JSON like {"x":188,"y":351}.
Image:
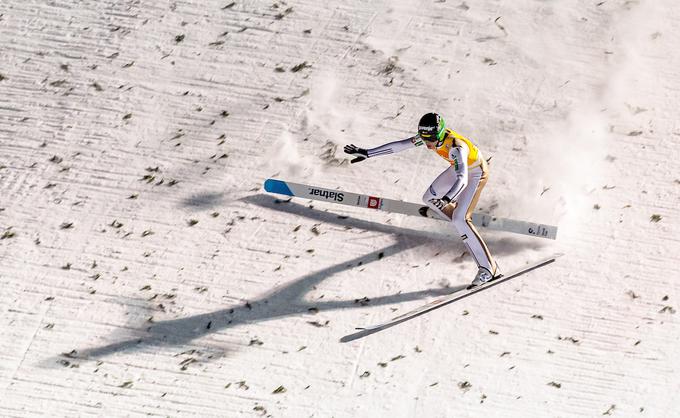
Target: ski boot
{"x":483,"y":276}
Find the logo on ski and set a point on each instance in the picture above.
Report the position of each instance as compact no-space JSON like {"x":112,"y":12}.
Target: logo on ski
{"x":540,"y":231}
{"x":327,"y":194}
{"x":374,"y":202}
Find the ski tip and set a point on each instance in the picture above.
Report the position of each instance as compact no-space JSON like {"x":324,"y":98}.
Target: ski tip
{"x":277,"y":186}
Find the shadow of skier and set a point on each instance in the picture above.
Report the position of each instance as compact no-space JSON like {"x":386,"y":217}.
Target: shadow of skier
{"x":288,"y":300}
{"x":285,"y":301}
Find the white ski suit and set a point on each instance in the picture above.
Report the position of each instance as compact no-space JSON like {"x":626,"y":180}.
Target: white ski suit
{"x":462,"y":183}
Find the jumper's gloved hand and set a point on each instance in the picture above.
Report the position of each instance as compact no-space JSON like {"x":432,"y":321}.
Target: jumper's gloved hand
{"x":360,"y":153}
{"x":441,"y":203}
{"x":445,"y":205}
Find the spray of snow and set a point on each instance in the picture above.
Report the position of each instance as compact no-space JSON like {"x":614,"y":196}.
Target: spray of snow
{"x":288,"y":159}
{"x":330,"y":115}
{"x":571,"y":158}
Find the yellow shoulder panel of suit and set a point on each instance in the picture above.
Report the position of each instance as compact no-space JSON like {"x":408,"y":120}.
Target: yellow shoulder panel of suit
{"x":451,"y":140}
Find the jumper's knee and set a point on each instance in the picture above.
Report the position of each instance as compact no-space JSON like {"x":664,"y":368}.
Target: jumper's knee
{"x":459,"y":217}
{"x":458,"y":223}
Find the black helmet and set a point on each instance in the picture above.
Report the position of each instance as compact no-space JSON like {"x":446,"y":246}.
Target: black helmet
{"x":431,"y":127}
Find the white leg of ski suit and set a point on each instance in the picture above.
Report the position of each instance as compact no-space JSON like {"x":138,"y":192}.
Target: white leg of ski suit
{"x":462,"y":215}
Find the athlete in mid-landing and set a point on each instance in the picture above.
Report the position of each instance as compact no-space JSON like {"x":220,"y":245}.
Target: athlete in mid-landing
{"x":455,"y":192}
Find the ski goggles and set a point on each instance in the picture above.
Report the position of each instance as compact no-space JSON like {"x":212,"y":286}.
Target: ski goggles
{"x":432,"y":136}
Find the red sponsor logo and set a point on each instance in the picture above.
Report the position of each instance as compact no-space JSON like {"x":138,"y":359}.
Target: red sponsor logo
{"x":374,"y":202}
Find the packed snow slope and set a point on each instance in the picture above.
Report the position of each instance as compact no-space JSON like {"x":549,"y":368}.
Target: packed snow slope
{"x":144,"y":271}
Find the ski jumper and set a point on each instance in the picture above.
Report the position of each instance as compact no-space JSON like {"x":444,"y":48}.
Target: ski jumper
{"x":462,"y":182}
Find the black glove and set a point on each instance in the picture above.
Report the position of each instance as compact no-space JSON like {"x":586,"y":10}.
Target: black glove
{"x":441,"y":203}
{"x":360,"y":153}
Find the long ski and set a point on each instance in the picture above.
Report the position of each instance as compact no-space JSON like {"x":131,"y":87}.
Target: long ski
{"x":446,"y":300}
{"x":405,"y":208}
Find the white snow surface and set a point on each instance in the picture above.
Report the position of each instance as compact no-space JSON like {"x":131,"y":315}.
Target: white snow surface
{"x":144,"y":271}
